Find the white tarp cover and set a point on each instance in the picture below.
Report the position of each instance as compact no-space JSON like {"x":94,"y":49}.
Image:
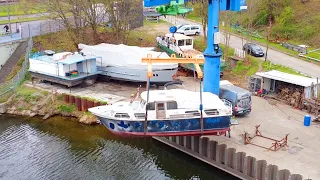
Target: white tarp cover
{"x":123,"y":55}
{"x":289,"y":78}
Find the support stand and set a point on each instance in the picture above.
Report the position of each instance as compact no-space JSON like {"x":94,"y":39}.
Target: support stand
{"x":276,"y":145}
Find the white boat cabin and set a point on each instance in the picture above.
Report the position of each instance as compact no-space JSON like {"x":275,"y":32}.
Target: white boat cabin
{"x":167,"y":105}
{"x":180,"y":41}
{"x":65,"y":64}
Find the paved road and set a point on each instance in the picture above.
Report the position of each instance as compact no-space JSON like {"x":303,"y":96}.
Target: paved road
{"x":40,"y":27}
{"x":24,"y":16}
{"x":274,"y":56}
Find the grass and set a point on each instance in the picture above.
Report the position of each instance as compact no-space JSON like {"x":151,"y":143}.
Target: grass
{"x":315,"y":54}
{"x":21,"y":9}
{"x":246,"y":68}
{"x":66,"y":108}
{"x":16,"y":68}
{"x":267,"y":66}
{"x":27,"y":93}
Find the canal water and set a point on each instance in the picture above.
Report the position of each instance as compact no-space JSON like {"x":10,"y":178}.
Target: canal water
{"x":62,"y":149}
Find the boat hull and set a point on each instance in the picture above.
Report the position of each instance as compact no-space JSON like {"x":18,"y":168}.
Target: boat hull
{"x":179,"y":127}
{"x":138,"y":75}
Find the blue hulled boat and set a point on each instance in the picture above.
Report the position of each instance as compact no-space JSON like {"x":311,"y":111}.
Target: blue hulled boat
{"x":172,"y":112}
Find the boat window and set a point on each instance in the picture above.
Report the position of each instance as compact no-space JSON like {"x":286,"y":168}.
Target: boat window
{"x":122,"y":115}
{"x":151,"y":106}
{"x":195,"y":113}
{"x":142,"y":102}
{"x":172,"y":105}
{"x":188,"y":42}
{"x":211,"y":112}
{"x":160,"y":106}
{"x":181,"y":43}
{"x":140,"y":115}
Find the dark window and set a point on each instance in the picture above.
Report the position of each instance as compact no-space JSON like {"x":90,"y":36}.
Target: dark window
{"x":181,"y":43}
{"x":151,"y":106}
{"x":187,"y":29}
{"x":188,"y":42}
{"x":211,"y":112}
{"x":160,"y":106}
{"x":140,"y":115}
{"x":122,"y":115}
{"x":172,"y":105}
{"x":195,"y":113}
{"x":194,"y":28}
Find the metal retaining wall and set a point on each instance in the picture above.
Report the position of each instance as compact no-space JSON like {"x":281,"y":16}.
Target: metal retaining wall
{"x":227,"y":159}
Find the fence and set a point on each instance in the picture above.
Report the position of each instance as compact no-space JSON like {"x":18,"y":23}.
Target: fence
{"x":12,"y":84}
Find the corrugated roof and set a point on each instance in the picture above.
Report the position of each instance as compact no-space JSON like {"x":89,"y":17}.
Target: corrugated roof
{"x":289,"y":78}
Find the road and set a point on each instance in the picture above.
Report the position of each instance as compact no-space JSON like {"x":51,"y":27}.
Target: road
{"x":24,"y":16}
{"x":274,"y":56}
{"x":40,"y":27}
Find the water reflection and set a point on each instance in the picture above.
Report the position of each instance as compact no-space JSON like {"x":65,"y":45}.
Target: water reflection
{"x":61,"y":149}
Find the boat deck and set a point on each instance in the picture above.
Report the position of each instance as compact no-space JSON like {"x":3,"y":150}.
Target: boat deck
{"x":68,"y":81}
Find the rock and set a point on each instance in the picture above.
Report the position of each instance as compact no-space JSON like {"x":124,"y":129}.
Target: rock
{"x":47,"y":116}
{"x":13,"y":108}
{"x":33,"y":114}
{"x":88,"y":120}
{"x":35,"y":108}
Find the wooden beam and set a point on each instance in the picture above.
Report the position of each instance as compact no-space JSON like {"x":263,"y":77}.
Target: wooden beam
{"x":174,"y":59}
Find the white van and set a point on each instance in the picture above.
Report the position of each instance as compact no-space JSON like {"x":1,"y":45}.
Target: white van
{"x":189,"y":30}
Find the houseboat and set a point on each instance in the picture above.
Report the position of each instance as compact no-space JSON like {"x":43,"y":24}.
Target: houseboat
{"x":182,"y":46}
{"x":65,"y":68}
{"x":173,"y":112}
{"x":123,"y":62}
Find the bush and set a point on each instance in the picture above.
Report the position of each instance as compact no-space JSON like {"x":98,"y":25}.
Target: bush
{"x":66,"y":108}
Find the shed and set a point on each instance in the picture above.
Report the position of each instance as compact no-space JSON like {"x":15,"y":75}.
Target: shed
{"x":270,"y":81}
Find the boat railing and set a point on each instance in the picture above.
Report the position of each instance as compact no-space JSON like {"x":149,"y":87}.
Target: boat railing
{"x":227,"y":103}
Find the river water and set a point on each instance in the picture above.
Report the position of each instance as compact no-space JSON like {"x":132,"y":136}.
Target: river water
{"x":61,"y":149}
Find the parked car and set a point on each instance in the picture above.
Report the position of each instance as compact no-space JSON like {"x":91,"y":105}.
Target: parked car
{"x":238,"y":97}
{"x":189,"y":29}
{"x":253,"y":50}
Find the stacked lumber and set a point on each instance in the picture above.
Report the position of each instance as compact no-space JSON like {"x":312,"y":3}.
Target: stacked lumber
{"x":291,"y":95}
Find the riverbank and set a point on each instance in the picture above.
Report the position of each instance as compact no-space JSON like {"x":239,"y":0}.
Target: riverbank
{"x":31,"y":102}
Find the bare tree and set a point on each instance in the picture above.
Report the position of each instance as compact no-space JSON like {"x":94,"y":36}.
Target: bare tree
{"x":123,"y":14}
{"x":69,"y":13}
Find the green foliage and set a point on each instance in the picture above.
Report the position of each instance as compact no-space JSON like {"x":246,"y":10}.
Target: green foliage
{"x":29,"y":94}
{"x":285,"y":25}
{"x":261,"y":18}
{"x":103,"y":102}
{"x":60,"y":97}
{"x":66,"y":108}
{"x":247,"y":68}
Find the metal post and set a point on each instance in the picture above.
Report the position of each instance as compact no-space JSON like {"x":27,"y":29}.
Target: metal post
{"x":147,"y":106}
{"x":213,"y":52}
{"x":9,"y":17}
{"x":29,"y":30}
{"x":201,"y":108}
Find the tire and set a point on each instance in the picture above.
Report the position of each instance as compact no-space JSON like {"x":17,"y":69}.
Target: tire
{"x":197,"y":34}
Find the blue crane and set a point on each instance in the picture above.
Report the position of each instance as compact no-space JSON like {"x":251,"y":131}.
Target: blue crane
{"x":213,"y":52}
